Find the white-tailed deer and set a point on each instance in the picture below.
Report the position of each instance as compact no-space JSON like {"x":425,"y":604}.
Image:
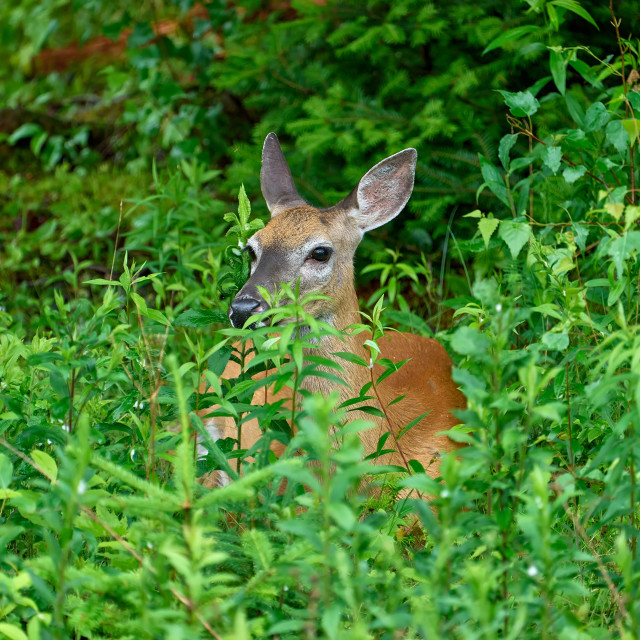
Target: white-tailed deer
{"x":316,"y":248}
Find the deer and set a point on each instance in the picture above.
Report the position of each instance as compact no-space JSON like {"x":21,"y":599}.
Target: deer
{"x":315,"y":248}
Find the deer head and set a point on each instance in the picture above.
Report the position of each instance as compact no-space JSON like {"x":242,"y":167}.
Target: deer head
{"x":316,"y":246}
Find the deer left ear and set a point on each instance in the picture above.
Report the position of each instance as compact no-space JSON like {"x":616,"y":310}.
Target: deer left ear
{"x":383,"y":191}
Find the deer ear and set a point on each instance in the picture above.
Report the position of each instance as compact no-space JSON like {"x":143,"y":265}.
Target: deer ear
{"x":276,"y":182}
{"x":383,"y":191}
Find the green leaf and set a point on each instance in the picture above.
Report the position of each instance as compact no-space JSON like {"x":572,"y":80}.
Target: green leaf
{"x":6,"y":471}
{"x":521,"y":104}
{"x":552,"y":158}
{"x":554,"y":340}
{"x":558,"y":70}
{"x":515,"y":234}
{"x":27,"y":130}
{"x":45,"y":462}
{"x":571,"y":174}
{"x":200,"y":318}
{"x":493,"y":179}
{"x":351,"y":357}
{"x":617,"y":136}
{"x":487,"y":226}
{"x":12,"y":632}
{"x":621,"y":248}
{"x":58,"y":384}
{"x":510,"y":36}
{"x":575,"y":7}
{"x":506,"y":144}
{"x":469,"y":341}
{"x":596,"y":117}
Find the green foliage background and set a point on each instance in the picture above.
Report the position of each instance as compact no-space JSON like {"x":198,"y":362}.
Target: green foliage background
{"x":519,"y":250}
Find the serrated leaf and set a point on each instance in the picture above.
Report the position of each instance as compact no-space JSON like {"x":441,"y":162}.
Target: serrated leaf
{"x":487,"y":226}
{"x":614,"y":209}
{"x":617,"y":136}
{"x":552,"y":158}
{"x":571,"y":174}
{"x":515,"y":235}
{"x":521,"y":104}
{"x":554,"y":340}
{"x":596,"y":117}
{"x":621,"y":248}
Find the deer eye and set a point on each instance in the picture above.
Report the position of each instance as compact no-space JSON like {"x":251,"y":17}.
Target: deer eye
{"x":320,"y":254}
{"x":250,"y":252}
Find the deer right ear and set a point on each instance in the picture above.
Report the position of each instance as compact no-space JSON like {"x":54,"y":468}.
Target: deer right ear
{"x":276,"y":181}
{"x":383,"y":191}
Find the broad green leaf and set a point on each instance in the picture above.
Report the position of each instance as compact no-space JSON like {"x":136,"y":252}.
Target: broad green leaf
{"x":596,"y":117}
{"x":45,"y":462}
{"x":469,"y":341}
{"x":554,"y":340}
{"x":571,"y":174}
{"x":521,"y":104}
{"x":631,"y":214}
{"x":614,"y":209}
{"x":12,"y":632}
{"x":621,"y":248}
{"x":515,"y":234}
{"x":552,"y":158}
{"x":617,"y":136}
{"x":487,"y":226}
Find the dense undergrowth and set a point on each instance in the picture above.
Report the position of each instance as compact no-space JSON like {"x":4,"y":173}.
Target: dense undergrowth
{"x":114,"y":287}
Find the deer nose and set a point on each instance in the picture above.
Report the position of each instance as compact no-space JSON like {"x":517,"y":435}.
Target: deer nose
{"x":242,"y":309}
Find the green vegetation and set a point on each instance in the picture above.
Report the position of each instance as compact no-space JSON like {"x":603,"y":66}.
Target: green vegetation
{"x":118,"y":259}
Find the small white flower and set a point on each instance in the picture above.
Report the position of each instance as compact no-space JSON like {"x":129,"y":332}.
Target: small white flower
{"x":285,"y":588}
{"x":133,"y":453}
{"x":444,"y":494}
{"x":138,"y":404}
{"x":370,"y":363}
{"x":564,"y":293}
{"x":48,"y":441}
{"x":65,"y":427}
{"x":532,"y":571}
{"x":149,"y":545}
{"x":82,"y":487}
{"x":498,"y":307}
{"x":240,"y":244}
